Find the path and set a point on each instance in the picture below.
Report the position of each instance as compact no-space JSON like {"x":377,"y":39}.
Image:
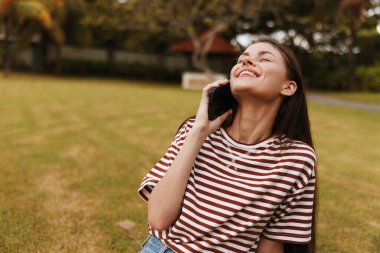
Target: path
{"x":339,"y":102}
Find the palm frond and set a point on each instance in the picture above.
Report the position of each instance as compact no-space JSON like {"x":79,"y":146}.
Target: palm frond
{"x":34,"y":10}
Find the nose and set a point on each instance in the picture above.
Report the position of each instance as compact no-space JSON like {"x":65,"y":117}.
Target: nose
{"x":247,"y":62}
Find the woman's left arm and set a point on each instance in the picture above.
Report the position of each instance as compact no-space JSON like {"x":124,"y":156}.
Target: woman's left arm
{"x":270,"y":246}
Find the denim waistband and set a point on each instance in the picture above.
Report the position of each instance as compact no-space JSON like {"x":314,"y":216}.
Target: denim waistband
{"x":153,"y":245}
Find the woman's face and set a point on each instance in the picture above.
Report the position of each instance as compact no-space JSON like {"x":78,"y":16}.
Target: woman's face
{"x":260,"y":72}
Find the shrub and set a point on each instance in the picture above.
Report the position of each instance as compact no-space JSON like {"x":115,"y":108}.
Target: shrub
{"x":369,"y":78}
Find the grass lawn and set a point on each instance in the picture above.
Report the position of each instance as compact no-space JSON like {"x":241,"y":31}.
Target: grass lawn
{"x":74,"y":151}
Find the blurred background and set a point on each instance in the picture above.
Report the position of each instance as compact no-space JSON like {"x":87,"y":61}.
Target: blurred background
{"x":91,"y":97}
{"x":336,"y":41}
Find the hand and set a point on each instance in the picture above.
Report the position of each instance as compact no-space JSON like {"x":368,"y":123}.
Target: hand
{"x":202,"y":122}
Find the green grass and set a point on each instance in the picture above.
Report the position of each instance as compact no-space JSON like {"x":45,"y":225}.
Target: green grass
{"x":74,"y":151}
{"x":358,"y":97}
{"x":347,"y":143}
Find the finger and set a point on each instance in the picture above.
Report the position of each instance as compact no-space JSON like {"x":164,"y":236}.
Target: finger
{"x":225,"y":115}
{"x":207,"y":88}
{"x":224,"y":82}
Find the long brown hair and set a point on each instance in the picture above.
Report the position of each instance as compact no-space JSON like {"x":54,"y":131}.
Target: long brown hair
{"x":292,"y":120}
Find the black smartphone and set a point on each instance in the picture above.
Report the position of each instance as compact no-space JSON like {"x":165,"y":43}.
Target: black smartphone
{"x":220,"y":101}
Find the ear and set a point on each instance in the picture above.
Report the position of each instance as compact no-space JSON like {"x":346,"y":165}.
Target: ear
{"x":289,"y":88}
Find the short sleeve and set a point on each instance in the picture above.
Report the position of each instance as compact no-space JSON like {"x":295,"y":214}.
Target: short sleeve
{"x":162,"y":166}
{"x":292,"y":221}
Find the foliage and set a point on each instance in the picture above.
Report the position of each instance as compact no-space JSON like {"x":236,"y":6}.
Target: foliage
{"x":110,"y":22}
{"x":195,"y":17}
{"x":46,"y":13}
{"x":21,"y":17}
{"x":320,"y":27}
{"x":312,"y":28}
{"x":368,"y":44}
{"x":345,"y":18}
{"x":369,"y":78}
{"x":328,"y":71}
{"x":76,"y":33}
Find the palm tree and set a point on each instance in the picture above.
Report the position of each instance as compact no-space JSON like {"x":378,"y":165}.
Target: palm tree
{"x":16,"y":17}
{"x":67,"y":18}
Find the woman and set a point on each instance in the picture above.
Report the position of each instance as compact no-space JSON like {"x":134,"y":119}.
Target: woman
{"x":246,"y":181}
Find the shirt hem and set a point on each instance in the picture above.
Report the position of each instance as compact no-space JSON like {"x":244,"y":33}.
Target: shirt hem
{"x":283,"y":241}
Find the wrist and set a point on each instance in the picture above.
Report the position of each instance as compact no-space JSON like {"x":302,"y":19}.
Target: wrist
{"x":198,"y":132}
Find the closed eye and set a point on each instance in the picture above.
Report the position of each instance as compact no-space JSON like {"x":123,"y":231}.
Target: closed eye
{"x":264,"y":59}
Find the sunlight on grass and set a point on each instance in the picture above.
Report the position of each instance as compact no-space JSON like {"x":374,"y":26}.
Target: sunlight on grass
{"x":74,"y":152}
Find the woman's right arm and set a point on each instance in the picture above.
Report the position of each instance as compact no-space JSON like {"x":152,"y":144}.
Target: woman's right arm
{"x":165,"y":202}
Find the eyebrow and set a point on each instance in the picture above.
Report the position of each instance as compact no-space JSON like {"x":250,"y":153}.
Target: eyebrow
{"x":259,"y":53}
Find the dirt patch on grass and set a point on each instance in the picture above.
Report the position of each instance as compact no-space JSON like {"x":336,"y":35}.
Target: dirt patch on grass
{"x":72,"y":229}
{"x":83,"y":153}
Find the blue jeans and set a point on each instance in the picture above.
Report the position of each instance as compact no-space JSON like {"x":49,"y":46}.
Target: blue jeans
{"x":153,"y":245}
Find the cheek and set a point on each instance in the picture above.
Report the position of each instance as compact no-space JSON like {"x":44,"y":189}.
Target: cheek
{"x":277,"y":75}
{"x":234,"y":68}
{"x":282,"y":73}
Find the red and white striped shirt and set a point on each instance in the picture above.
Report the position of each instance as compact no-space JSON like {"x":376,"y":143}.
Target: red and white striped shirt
{"x":238,"y":193}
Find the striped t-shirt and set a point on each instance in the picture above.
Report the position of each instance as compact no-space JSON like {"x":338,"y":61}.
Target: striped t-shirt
{"x":238,"y":193}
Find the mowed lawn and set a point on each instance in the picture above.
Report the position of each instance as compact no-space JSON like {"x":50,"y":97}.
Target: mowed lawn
{"x":74,"y":151}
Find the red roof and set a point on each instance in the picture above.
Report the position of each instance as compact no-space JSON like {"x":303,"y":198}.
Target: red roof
{"x":219,"y":46}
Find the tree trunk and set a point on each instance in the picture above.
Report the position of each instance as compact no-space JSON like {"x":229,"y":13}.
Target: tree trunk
{"x":7,"y":48}
{"x":199,"y":58}
{"x":110,"y":57}
{"x":40,"y":52}
{"x":201,"y":49}
{"x":352,"y":57}
{"x":58,"y":59}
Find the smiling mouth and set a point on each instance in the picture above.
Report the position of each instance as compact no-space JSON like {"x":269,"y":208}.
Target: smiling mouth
{"x":247,"y":73}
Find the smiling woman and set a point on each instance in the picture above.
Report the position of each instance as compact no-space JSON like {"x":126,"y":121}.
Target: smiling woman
{"x":261,"y":69}
{"x":246,"y":181}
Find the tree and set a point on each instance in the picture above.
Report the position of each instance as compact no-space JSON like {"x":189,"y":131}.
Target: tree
{"x":191,"y":17}
{"x":67,"y":16}
{"x":354,"y":13}
{"x":110,"y":22}
{"x":20,"y":17}
{"x":345,"y":18}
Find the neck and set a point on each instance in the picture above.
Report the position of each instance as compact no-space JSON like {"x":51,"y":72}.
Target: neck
{"x":253,"y":122}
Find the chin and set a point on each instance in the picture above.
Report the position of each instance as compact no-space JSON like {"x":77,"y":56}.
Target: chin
{"x":242,"y":91}
{"x":239,"y":86}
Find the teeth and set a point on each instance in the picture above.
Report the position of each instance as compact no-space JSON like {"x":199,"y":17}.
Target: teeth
{"x":246,"y":72}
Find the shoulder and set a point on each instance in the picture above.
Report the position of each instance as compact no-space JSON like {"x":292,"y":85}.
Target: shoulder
{"x":301,"y":154}
{"x":182,"y":131}
{"x":187,"y":124}
{"x":297,"y":147}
